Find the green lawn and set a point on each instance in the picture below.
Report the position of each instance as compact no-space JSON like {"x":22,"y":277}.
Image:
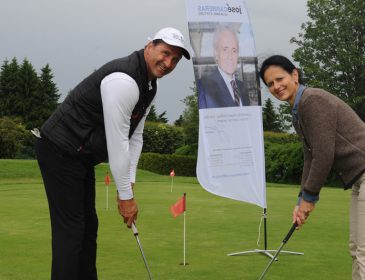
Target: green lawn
{"x":215,"y":227}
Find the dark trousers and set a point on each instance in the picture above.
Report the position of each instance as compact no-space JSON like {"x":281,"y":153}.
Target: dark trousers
{"x":70,"y":189}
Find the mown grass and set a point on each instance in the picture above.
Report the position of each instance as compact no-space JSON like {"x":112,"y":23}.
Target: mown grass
{"x":215,"y":227}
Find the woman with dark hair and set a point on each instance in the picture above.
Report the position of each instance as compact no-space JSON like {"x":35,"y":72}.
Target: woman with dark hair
{"x":333,"y":136}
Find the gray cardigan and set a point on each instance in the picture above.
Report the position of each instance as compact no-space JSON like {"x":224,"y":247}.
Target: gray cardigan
{"x":333,"y":136}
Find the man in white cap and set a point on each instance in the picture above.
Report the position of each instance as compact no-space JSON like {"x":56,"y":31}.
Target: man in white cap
{"x":102,"y":119}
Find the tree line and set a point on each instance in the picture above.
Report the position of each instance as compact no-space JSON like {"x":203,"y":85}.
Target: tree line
{"x":27,"y":99}
{"x":330,"y":53}
{"x":26,"y":95}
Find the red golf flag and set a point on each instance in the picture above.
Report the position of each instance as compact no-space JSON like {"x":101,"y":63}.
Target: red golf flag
{"x":107,"y":179}
{"x":172,"y":173}
{"x":179,"y":207}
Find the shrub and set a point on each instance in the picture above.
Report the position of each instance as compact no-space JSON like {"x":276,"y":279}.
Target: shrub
{"x":12,"y":134}
{"x":284,"y":160}
{"x":280,"y":137}
{"x":163,"y":164}
{"x":27,"y":150}
{"x":187,"y":150}
{"x":284,"y":163}
{"x":161,"y":138}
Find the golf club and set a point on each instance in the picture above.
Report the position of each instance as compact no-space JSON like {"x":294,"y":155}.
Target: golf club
{"x":135,"y":232}
{"x":278,"y":251}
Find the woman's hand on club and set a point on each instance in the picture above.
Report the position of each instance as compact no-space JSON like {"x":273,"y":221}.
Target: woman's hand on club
{"x":301,"y":212}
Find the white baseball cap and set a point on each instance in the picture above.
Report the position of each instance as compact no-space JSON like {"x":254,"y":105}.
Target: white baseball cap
{"x":173,"y":37}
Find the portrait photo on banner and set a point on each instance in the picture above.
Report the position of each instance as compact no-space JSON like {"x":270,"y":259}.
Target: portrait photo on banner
{"x":225,"y":64}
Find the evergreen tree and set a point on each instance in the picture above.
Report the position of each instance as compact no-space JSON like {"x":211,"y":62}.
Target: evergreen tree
{"x":270,"y":117}
{"x":162,"y":118}
{"x":48,"y":92}
{"x":28,"y":98}
{"x":48,"y":87}
{"x":8,"y":86}
{"x":332,"y":47}
{"x":152,"y":115}
{"x":285,"y":117}
{"x":25,"y":95}
{"x":190,"y":117}
{"x":179,"y":121}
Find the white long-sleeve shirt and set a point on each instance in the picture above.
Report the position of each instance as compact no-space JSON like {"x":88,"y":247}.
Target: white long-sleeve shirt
{"x":120,"y":94}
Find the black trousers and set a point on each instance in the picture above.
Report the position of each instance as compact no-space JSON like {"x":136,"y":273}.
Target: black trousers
{"x":70,"y":189}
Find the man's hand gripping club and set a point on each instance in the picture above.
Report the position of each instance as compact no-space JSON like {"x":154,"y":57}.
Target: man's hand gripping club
{"x":128,"y":209}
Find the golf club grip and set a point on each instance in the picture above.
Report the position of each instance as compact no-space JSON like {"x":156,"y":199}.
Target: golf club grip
{"x":134,"y":228}
{"x":292,"y":229}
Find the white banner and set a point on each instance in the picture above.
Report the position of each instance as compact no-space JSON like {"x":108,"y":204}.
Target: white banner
{"x":231,"y":161}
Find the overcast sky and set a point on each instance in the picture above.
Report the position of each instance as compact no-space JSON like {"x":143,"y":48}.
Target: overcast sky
{"x":76,"y":37}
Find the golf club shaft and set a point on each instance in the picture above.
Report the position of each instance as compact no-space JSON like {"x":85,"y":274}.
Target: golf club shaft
{"x":292,"y":229}
{"x":285,"y":240}
{"x":135,"y":232}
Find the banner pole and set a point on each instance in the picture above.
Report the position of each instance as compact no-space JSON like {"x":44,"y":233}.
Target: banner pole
{"x":265,"y":230}
{"x":265,"y":252}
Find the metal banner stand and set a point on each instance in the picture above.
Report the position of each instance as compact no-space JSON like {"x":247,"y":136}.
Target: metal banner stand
{"x":268,"y":253}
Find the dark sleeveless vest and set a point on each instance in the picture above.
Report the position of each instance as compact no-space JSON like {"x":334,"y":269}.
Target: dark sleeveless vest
{"x":77,"y":126}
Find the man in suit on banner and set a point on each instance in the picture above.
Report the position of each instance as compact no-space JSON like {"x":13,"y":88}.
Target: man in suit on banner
{"x":220,"y":88}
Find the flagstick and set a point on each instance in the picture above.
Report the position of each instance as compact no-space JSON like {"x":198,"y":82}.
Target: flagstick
{"x":172,"y":182}
{"x":107,"y":197}
{"x":107,"y":182}
{"x":184,"y":237}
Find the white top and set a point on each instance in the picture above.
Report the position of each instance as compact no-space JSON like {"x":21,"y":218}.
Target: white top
{"x":120,"y":94}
